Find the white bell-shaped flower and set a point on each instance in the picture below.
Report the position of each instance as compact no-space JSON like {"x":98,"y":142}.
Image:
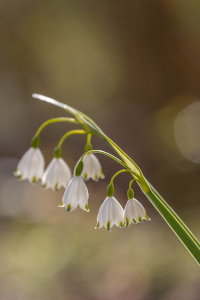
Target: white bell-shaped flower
{"x":76,"y":194}
{"x":56,"y":175}
{"x":92,"y":168}
{"x":110,"y":213}
{"x":31,"y":165}
{"x":134,"y":212}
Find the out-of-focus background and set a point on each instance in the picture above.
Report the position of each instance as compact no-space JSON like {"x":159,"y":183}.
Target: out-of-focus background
{"x":133,"y":67}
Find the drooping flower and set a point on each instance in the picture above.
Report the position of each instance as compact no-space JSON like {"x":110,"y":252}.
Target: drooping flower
{"x":76,"y":194}
{"x":31,"y":165}
{"x":56,"y":175}
{"x":110,"y":213}
{"x":134,"y":212}
{"x":92,"y":168}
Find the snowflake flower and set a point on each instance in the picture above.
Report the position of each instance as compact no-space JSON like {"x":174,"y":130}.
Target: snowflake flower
{"x":31,"y":165}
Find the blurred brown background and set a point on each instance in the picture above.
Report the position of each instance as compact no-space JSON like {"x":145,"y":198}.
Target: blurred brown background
{"x":133,"y":67}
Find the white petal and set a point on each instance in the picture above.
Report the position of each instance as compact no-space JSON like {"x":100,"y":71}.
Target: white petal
{"x":83,"y":194}
{"x":91,"y":168}
{"x":129,"y":212}
{"x":110,"y":213}
{"x":66,"y":173}
{"x":76,"y":193}
{"x":70,"y":197}
{"x":139,"y":211}
{"x":31,"y":165}
{"x":97,"y":169}
{"x":99,"y":216}
{"x":57,"y":174}
{"x":134,"y":212}
{"x":119,"y":214}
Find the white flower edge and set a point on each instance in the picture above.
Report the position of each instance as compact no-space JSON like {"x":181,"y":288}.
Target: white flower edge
{"x":31,"y":165}
{"x":75,"y":194}
{"x":134,"y":212}
{"x":110,"y":213}
{"x":56,"y":175}
{"x":91,"y":168}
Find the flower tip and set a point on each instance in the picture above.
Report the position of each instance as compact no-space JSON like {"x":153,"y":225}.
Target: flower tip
{"x":86,"y":208}
{"x":85,"y":176}
{"x":56,"y":187}
{"x":15,"y":173}
{"x":102,"y":176}
{"x":108,"y":226}
{"x":19,"y":177}
{"x":127,"y":222}
{"x":68,"y":208}
{"x":97,"y":226}
{"x":34,"y":179}
{"x":61,"y":204}
{"x":147,"y":218}
{"x":96,"y":178}
{"x":121,"y":224}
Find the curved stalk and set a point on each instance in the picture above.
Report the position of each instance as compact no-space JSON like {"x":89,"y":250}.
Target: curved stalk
{"x":55,"y":120}
{"x":104,"y":153}
{"x":168,"y":214}
{"x":63,"y":138}
{"x":119,"y":172}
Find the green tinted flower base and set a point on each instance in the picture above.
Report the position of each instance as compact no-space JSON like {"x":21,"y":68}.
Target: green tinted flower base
{"x":168,"y":214}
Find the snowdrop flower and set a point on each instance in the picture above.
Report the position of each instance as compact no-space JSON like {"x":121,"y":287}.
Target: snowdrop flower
{"x":134,"y":212}
{"x":92,"y":168}
{"x":110,"y":212}
{"x":56,"y":175}
{"x":76,"y":194}
{"x":31,"y":165}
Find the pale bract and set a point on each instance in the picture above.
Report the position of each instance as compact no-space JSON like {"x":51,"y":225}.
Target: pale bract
{"x":76,"y":194}
{"x":110,"y":213}
{"x":56,"y":175}
{"x":92,"y":168}
{"x":134,"y":212}
{"x":31,"y":165}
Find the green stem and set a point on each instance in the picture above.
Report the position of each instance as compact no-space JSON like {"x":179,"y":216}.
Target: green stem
{"x":119,"y":172}
{"x":179,"y":228}
{"x":68,"y":134}
{"x":104,"y":153}
{"x":174,"y":214}
{"x":89,"y":136}
{"x":130,"y":184}
{"x":173,"y":220}
{"x":55,"y":120}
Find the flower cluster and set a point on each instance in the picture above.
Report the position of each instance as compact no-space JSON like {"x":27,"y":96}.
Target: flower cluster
{"x":58,"y":174}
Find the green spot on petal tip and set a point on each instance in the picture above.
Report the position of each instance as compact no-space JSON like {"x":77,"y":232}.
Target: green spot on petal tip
{"x":147,"y":218}
{"x":97,"y":226}
{"x":108,"y":225}
{"x":69,"y":207}
{"x":34,"y":179}
{"x":127,"y":222}
{"x":86,"y":208}
{"x":121,"y":224}
{"x":56,"y":187}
